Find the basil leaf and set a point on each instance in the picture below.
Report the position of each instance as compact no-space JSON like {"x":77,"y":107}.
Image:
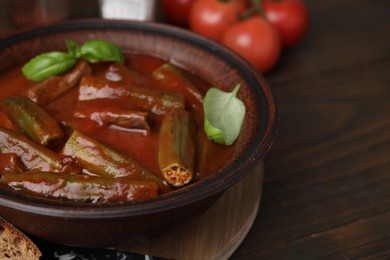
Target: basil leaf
{"x":213,"y":133}
{"x":224,"y":115}
{"x":101,"y":50}
{"x":73,"y":48}
{"x":48,"y":64}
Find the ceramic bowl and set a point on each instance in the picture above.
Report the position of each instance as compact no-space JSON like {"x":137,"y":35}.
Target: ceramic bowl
{"x":115,"y":225}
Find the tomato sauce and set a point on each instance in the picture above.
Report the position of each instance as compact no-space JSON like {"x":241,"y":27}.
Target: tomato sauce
{"x":140,"y":145}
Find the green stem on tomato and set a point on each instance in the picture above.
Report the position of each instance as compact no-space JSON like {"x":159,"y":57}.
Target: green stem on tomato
{"x":256,"y":8}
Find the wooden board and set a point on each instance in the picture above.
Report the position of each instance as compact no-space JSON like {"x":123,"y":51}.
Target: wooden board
{"x":218,"y":232}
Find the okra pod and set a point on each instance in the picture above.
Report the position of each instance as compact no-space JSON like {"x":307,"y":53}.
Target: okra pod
{"x":53,"y":87}
{"x":103,"y":161}
{"x":92,"y":88}
{"x":172,"y":79}
{"x":176,"y":147}
{"x":81,"y":187}
{"x":121,"y":73}
{"x":33,"y":156}
{"x":207,"y":149}
{"x":113,"y":116}
{"x":33,"y":120}
{"x":128,"y":119}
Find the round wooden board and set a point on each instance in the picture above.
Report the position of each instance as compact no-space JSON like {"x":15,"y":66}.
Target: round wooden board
{"x":218,"y":232}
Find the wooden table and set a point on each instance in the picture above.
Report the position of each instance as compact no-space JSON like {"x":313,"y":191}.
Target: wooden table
{"x":327,"y":176}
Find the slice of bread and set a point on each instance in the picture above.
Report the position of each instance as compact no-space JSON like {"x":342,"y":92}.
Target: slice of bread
{"x":15,"y":245}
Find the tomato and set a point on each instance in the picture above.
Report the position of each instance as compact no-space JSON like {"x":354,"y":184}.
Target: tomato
{"x":291,"y":18}
{"x":177,"y":11}
{"x":255,"y":39}
{"x":211,"y":18}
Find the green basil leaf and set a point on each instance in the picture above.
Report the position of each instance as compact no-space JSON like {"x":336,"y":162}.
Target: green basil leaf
{"x":224,"y":115}
{"x":48,"y":64}
{"x":101,"y":50}
{"x":213,"y":133}
{"x":73,"y":48}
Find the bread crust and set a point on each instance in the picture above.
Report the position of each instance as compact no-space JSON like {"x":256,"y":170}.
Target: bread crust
{"x":15,"y":245}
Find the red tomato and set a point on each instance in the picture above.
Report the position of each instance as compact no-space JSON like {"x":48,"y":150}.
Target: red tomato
{"x":177,"y":11}
{"x":290,"y":17}
{"x":256,"y":40}
{"x":210,"y":18}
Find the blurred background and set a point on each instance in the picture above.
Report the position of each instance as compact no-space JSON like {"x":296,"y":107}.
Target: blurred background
{"x":16,"y":14}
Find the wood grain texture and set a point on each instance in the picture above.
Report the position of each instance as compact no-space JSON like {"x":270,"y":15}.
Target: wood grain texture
{"x":218,"y":232}
{"x":327,"y":185}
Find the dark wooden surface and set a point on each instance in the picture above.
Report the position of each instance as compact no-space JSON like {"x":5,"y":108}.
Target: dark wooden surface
{"x":327,"y":176}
